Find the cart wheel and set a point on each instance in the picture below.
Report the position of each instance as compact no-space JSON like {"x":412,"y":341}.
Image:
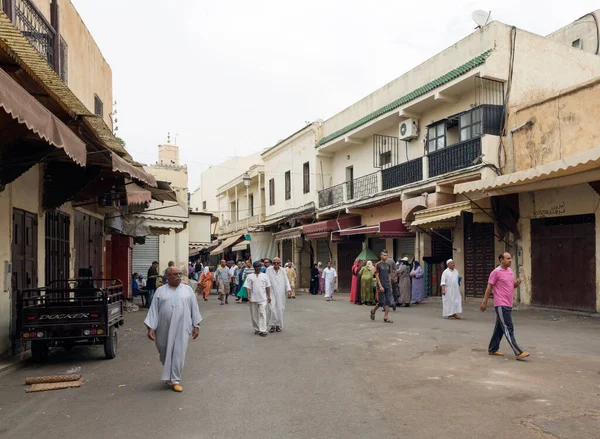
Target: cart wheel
{"x":39,"y":351}
{"x":110,"y":343}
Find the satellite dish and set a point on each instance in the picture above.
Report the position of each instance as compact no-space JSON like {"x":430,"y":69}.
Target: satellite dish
{"x":481,"y":17}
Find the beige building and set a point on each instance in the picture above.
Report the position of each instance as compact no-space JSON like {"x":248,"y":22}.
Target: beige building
{"x":61,"y":186}
{"x":167,"y":220}
{"x":390,"y":162}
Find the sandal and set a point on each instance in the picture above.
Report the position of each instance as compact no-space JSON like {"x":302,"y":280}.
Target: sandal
{"x":372,"y":315}
{"x":277,"y":329}
{"x":272,"y":329}
{"x":387,"y":321}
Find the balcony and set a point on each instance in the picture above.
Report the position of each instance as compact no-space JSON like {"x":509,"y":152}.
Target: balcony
{"x":404,"y":173}
{"x":241,"y":225}
{"x":42,"y":35}
{"x":332,"y":195}
{"x":350,"y":190}
{"x":453,"y":158}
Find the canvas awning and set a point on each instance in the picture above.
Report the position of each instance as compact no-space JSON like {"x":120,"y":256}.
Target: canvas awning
{"x":508,"y":183}
{"x":359,"y":230}
{"x":26,"y":110}
{"x":226,"y":243}
{"x":393,"y":229}
{"x":440,"y":214}
{"x":163,"y":192}
{"x":317,"y":230}
{"x":124,"y":167}
{"x":288,"y":234}
{"x":137,"y":195}
{"x":240,"y":247}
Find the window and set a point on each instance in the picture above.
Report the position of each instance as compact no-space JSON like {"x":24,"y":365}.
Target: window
{"x":288,"y":185}
{"x":306,"y":178}
{"x":470,"y":125}
{"x":577,"y":44}
{"x":436,"y":137}
{"x":272,"y":192}
{"x":251,"y":205}
{"x":98,"y":106}
{"x":204,"y":205}
{"x":232,"y":210}
{"x":385,"y":158}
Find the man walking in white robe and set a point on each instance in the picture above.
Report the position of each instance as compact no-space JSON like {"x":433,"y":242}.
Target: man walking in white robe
{"x":280,"y":288}
{"x":451,"y":298}
{"x":258,"y":287}
{"x":330,"y":276}
{"x":172,"y":318}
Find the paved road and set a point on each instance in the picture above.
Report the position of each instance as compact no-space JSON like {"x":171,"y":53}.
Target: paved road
{"x":332,"y":373}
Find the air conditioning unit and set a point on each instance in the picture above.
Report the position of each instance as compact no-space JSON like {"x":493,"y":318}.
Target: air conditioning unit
{"x":409,"y":129}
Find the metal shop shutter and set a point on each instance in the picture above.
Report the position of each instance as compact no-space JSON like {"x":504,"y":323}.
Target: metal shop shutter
{"x":404,"y":247}
{"x":376,"y":245}
{"x":145,"y":254}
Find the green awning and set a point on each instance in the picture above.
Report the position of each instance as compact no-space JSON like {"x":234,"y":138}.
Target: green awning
{"x":367,"y":255}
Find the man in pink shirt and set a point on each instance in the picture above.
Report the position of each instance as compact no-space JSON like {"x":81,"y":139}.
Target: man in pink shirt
{"x":503,"y":283}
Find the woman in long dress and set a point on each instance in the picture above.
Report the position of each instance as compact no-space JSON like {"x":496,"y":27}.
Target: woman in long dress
{"x":314,"y":280}
{"x":242,"y":295}
{"x":366,"y":283}
{"x":418,"y":283}
{"x":321,"y":279}
{"x":404,"y":287}
{"x":355,"y":286}
{"x":205,"y":283}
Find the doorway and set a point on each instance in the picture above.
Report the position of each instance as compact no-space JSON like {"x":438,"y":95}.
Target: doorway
{"x":479,"y":255}
{"x":563,"y":262}
{"x":88,"y":243}
{"x":347,"y":253}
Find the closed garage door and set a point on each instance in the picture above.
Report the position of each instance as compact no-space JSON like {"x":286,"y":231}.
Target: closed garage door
{"x":145,"y":254}
{"x":563,"y":262}
{"x":404,"y":247}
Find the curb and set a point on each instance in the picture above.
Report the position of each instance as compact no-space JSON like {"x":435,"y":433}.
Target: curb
{"x":15,"y":365}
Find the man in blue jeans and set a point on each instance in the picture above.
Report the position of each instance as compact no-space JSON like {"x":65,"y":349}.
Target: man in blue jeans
{"x":386,"y":298}
{"x":502,"y":282}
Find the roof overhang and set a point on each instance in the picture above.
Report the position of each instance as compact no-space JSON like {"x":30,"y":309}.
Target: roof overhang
{"x":579,"y":168}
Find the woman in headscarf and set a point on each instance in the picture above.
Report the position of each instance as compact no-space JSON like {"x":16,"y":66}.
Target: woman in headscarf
{"x":418,"y":283}
{"x":205,"y":283}
{"x":355,"y":286}
{"x":314,"y":280}
{"x":242,"y":295}
{"x":321,"y":278}
{"x":404,"y":287}
{"x":366,"y":283}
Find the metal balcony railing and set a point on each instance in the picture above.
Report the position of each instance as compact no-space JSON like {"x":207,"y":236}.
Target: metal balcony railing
{"x":362,"y":186}
{"x":332,"y":195}
{"x":241,"y":224}
{"x":404,"y":173}
{"x":455,"y":157}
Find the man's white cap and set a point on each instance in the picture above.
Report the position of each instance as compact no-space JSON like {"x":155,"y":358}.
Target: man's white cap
{"x":449,"y":260}
{"x":405,"y":259}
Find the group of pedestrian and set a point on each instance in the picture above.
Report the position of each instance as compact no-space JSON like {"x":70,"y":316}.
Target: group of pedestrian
{"x":323,"y":280}
{"x":406,"y":282}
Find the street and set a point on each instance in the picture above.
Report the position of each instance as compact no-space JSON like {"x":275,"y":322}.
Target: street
{"x":332,"y":373}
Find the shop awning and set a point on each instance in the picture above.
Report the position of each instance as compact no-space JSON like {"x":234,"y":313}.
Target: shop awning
{"x":124,"y":167}
{"x":316,"y":230}
{"x":240,"y":247}
{"x":26,"y":110}
{"x":226,"y":243}
{"x":393,"y":229}
{"x":163,"y":192}
{"x":293,"y":233}
{"x":363,"y":230}
{"x":440,"y":214}
{"x":136,"y":194}
{"x":505,"y":184}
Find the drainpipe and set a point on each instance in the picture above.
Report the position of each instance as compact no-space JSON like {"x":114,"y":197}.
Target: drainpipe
{"x":512,"y":147}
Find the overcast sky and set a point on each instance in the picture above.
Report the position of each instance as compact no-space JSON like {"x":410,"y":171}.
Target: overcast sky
{"x":231,"y":77}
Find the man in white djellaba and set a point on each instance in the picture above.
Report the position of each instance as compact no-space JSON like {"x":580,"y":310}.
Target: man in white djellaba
{"x":172,"y":318}
{"x":330,"y":275}
{"x":280,"y":288}
{"x":451,"y":298}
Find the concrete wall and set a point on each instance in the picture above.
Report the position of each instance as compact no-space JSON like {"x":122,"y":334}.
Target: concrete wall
{"x":573,"y":200}
{"x":88,"y":71}
{"x":583,"y":29}
{"x":199,"y":228}
{"x":291,"y":155}
{"x":213,"y":178}
{"x":563,"y":126}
